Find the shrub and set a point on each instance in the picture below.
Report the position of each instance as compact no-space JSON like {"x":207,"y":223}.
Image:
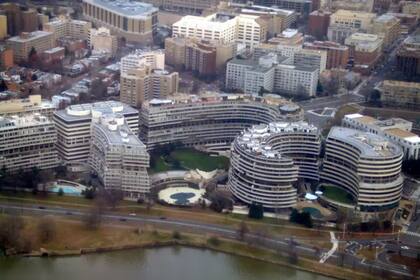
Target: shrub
{"x":214,"y":241}
{"x":176,"y":235}
{"x":256,"y":211}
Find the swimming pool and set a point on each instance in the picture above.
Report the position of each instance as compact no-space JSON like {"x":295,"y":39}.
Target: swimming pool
{"x":181,"y":195}
{"x":68,"y":188}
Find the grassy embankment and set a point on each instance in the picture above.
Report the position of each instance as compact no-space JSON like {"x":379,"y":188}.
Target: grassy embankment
{"x":73,"y":238}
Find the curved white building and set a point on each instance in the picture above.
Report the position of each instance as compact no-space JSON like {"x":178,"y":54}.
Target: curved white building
{"x":366,"y":165}
{"x":267,"y":160}
{"x":212,"y":120}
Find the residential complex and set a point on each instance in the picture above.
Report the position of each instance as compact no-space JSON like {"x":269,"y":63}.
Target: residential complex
{"x":132,"y":20}
{"x":401,"y":94}
{"x":210,"y":120}
{"x":74,"y":127}
{"x":337,"y":55}
{"x":273,"y":74}
{"x":22,"y":106}
{"x":395,"y":130}
{"x":343,"y":23}
{"x":246,"y":29}
{"x":26,"y":142}
{"x":118,"y":157}
{"x":67,"y":27}
{"x":365,"y":165}
{"x":25,"y":42}
{"x":268,"y":159}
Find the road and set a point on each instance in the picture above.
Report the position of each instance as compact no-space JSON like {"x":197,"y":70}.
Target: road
{"x":279,"y":244}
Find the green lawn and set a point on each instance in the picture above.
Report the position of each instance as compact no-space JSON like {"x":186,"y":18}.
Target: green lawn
{"x":337,"y":194}
{"x":187,"y":158}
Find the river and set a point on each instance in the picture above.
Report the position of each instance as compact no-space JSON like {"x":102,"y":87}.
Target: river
{"x":149,"y":264}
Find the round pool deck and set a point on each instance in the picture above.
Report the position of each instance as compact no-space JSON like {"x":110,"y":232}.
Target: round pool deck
{"x":181,"y":195}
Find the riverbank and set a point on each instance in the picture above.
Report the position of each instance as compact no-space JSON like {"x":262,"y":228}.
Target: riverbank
{"x":73,"y":238}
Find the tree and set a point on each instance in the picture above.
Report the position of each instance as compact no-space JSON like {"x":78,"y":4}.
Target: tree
{"x":242,"y":231}
{"x":220,"y":200}
{"x":94,"y":217}
{"x":256,"y":211}
{"x":302,"y":218}
{"x":11,"y":239}
{"x":46,"y":229}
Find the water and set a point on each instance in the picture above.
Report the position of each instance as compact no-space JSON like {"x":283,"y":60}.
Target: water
{"x":177,"y":263}
{"x":182,"y":198}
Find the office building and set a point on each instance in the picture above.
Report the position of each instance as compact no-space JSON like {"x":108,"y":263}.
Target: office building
{"x":354,"y":5}
{"x":22,"y":45}
{"x":13,"y":14}
{"x":289,"y":37}
{"x":134,"y":21}
{"x":185,"y":6}
{"x":74,"y":127}
{"x":268,"y":159}
{"x":6,"y":58}
{"x":365,"y":49}
{"x":343,"y":23}
{"x":401,"y":94}
{"x":337,"y":55}
{"x":119,"y":158}
{"x":408,"y":56}
{"x":27,"y":142}
{"x":302,"y":7}
{"x":410,"y":7}
{"x":367,"y":166}
{"x":246,"y":29}
{"x":211,"y":120}
{"x":29,"y":20}
{"x":67,"y":27}
{"x":395,"y":130}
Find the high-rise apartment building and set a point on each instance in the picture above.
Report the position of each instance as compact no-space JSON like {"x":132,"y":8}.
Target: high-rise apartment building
{"x":132,"y":20}
{"x":29,"y":20}
{"x":142,"y":83}
{"x":23,"y":44}
{"x":119,"y":158}
{"x":408,"y":56}
{"x":3,"y":26}
{"x":318,"y":23}
{"x":154,"y":59}
{"x":26,"y":142}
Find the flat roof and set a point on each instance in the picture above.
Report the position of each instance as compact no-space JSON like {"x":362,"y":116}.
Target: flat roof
{"x":401,"y":133}
{"x":369,"y":144}
{"x":118,"y":134}
{"x":126,"y":8}
{"x":27,"y":120}
{"x":31,"y":36}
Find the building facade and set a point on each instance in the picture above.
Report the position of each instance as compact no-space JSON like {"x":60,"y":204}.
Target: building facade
{"x":101,"y":41}
{"x":388,"y":28}
{"x":268,"y":159}
{"x":132,"y":20}
{"x":154,"y":59}
{"x":318,"y":23}
{"x":400,"y":94}
{"x":119,"y":158}
{"x":365,"y":49}
{"x":337,"y":55}
{"x":210,"y":120}
{"x":74,"y":127}
{"x":26,"y":142}
{"x":32,"y":104}
{"x":64,"y":26}
{"x":408,"y":56}
{"x":365,"y":165}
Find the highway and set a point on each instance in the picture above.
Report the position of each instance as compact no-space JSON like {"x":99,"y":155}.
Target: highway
{"x":279,"y":244}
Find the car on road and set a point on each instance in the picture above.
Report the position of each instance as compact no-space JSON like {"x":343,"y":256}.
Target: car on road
{"x":132,"y":214}
{"x":123,"y":219}
{"x":162,"y":218}
{"x":41,"y":207}
{"x":405,"y":247}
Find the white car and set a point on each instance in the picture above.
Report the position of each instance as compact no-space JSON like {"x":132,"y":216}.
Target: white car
{"x":405,"y":247}
{"x":132,"y":214}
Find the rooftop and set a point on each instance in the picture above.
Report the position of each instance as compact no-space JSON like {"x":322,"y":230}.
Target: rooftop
{"x":117,"y":132}
{"x":25,"y":37}
{"x":126,"y":8}
{"x":256,"y":138}
{"x":369,"y":144}
{"x":28,"y":120}
{"x":97,"y":109}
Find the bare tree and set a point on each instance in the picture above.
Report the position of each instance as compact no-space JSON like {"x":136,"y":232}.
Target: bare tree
{"x":46,"y":229}
{"x":11,"y":238}
{"x":242,"y":231}
{"x":94,"y":217}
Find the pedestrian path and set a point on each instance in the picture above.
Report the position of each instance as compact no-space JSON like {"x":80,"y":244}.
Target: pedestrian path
{"x":334,"y":241}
